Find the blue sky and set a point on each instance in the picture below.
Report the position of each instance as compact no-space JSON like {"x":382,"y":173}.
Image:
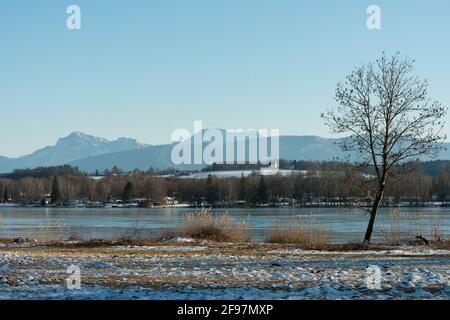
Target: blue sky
{"x":142,"y":69}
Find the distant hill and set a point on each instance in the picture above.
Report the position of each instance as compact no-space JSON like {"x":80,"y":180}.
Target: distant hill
{"x":91,"y":153}
{"x":309,"y":148}
{"x":42,"y":172}
{"x":433,"y":168}
{"x":152,"y":156}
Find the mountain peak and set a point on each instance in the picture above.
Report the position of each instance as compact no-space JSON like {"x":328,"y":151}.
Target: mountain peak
{"x":78,"y":134}
{"x":80,"y":137}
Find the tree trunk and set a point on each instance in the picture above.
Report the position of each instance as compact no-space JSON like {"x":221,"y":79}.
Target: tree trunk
{"x":373,"y":213}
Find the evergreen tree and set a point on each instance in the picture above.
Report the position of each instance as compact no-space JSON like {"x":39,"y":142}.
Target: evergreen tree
{"x":128,"y":192}
{"x":55,"y":196}
{"x":298,"y":188}
{"x":212,"y":192}
{"x":242,"y":188}
{"x":262,"y":190}
{"x":115,"y":170}
{"x":5,"y":195}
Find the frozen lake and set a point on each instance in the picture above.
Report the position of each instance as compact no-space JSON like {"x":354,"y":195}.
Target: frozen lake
{"x":343,"y":225}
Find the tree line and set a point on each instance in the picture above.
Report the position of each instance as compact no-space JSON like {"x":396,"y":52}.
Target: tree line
{"x":330,"y":184}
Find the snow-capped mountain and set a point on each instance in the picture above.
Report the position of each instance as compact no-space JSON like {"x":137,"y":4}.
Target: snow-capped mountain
{"x":75,"y":146}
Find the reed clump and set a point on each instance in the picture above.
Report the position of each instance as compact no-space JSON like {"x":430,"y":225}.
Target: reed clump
{"x":297,"y":230}
{"x":204,"y":225}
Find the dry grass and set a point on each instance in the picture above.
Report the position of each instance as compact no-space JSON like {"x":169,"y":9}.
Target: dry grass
{"x":398,"y":231}
{"x":300,"y":232}
{"x":204,"y":225}
{"x":435,"y":229}
{"x":54,"y":230}
{"x":441,"y":244}
{"x":404,"y":229}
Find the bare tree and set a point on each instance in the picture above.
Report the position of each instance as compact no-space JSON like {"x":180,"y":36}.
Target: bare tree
{"x":390,"y":118}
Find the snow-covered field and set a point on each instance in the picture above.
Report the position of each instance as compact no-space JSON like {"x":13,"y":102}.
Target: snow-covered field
{"x":188,"y":271}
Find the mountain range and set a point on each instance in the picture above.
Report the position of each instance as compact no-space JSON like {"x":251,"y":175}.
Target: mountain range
{"x":74,"y":147}
{"x":90,"y":153}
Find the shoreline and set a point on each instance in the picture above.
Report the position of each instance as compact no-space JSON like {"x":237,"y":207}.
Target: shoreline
{"x":19,"y":206}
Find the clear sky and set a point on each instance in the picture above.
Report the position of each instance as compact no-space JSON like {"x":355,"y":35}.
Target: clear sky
{"x":144,"y":68}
